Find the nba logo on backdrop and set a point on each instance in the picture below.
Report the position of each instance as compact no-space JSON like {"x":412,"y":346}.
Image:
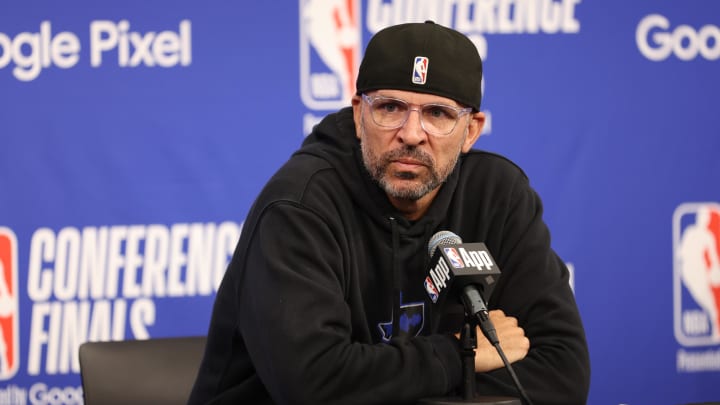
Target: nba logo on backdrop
{"x":696,"y":253}
{"x":9,"y":349}
{"x":330,"y":46}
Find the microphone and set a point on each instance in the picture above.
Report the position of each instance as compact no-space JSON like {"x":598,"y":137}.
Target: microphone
{"x":461,"y":270}
{"x":467,"y":271}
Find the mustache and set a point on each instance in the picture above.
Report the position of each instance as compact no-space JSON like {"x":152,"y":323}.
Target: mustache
{"x":410,"y":152}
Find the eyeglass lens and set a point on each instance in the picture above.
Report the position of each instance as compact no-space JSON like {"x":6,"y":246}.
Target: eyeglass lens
{"x":437,"y":119}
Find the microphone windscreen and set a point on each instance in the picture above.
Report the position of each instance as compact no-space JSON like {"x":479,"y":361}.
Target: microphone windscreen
{"x":442,"y":238}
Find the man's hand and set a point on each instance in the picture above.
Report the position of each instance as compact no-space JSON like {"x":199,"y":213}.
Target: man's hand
{"x":512,"y":341}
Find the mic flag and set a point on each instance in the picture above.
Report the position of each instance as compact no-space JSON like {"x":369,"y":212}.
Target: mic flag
{"x":455,"y":265}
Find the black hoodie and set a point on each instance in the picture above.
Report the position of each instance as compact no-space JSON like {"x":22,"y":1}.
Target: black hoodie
{"x":323,"y":300}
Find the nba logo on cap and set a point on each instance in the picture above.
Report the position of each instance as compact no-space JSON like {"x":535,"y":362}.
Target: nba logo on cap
{"x":454,"y":258}
{"x":330,"y":44}
{"x":420,"y":68}
{"x":696,"y":252}
{"x":9,"y":347}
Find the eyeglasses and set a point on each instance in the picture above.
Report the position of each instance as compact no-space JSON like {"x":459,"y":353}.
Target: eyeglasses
{"x":436,"y":119}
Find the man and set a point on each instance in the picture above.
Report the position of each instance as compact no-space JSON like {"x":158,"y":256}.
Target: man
{"x":323,"y":301}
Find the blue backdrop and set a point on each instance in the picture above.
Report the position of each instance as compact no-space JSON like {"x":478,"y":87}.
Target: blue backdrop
{"x":134,"y":137}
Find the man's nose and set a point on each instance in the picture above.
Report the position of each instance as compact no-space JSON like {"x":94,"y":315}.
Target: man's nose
{"x":412,"y":132}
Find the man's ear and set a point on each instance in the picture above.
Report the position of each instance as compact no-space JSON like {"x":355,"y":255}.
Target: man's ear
{"x":477,"y":122}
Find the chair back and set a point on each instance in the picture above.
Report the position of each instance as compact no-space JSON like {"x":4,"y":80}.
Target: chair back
{"x":158,"y":371}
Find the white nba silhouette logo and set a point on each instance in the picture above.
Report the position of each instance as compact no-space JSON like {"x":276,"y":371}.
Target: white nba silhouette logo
{"x":330,"y":30}
{"x":696,"y":247}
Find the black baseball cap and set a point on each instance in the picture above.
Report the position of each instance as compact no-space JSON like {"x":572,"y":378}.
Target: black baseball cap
{"x":424,"y":58}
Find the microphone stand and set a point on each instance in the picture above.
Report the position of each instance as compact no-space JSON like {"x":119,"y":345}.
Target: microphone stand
{"x":468,"y":340}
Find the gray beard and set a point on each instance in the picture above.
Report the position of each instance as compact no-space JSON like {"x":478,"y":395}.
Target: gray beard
{"x":377,"y":166}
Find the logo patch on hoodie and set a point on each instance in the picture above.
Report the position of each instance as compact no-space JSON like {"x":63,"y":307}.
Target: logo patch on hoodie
{"x":411,"y":322}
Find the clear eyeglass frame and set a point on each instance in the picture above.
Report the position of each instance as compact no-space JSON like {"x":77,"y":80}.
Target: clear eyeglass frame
{"x":450,"y":114}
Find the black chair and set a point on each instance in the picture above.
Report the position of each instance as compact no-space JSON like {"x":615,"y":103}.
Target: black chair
{"x":155,"y":371}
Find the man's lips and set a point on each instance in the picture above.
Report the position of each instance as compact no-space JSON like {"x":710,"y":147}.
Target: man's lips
{"x":408,"y":163}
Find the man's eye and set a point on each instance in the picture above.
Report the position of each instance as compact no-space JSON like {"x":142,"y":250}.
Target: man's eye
{"x":440,"y":112}
{"x":390,"y":107}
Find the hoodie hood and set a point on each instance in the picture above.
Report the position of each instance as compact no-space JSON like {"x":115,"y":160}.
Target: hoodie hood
{"x":334,"y":140}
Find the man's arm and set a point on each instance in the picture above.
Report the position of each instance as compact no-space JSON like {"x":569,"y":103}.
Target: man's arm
{"x":297,"y":327}
{"x":534,"y":288}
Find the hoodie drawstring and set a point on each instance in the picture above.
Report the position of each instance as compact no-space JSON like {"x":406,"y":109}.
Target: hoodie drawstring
{"x":395,"y":277}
